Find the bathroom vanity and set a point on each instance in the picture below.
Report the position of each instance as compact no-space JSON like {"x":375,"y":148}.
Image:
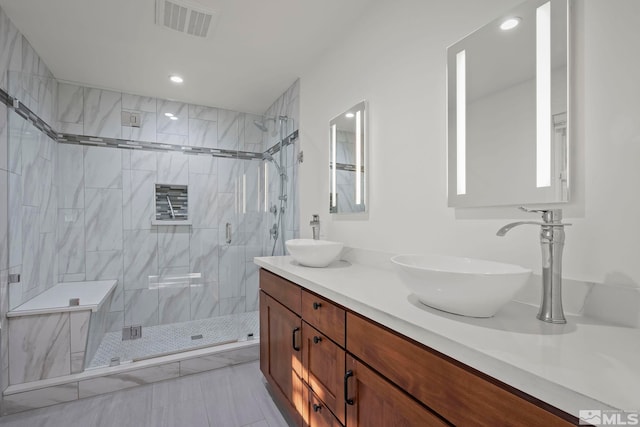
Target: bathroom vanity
{"x":330,"y":364}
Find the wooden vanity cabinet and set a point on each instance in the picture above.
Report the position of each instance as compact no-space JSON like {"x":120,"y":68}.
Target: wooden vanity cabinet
{"x":454,"y":391}
{"x":281,"y":349}
{"x":332,"y":367}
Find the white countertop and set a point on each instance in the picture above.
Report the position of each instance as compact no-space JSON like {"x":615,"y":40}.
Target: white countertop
{"x":585,"y":364}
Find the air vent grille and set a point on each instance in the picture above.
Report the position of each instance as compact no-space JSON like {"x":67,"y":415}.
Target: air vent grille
{"x":184,"y":18}
{"x":198,"y":24}
{"x":175,"y":16}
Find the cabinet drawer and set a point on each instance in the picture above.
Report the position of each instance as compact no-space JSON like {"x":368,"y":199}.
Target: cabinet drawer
{"x":316,"y":413}
{"x":323,"y":368}
{"x":324,"y":315}
{"x":374,"y":401}
{"x":283,"y":291}
{"x":458,"y":393}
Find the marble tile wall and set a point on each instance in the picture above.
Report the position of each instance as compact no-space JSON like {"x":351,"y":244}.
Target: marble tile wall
{"x":39,"y":347}
{"x":105,"y":213}
{"x":32,"y":209}
{"x":221,"y":191}
{"x":77,"y":213}
{"x":96,"y":112}
{"x":52,"y":345}
{"x":24,"y":75}
{"x":152,"y":262}
{"x":105,"y":207}
{"x":285,"y":105}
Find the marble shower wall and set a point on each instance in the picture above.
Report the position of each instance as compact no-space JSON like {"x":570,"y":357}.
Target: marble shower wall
{"x":33,"y":210}
{"x":97,"y":112}
{"x":286,"y":105}
{"x":24,"y":75}
{"x":105,"y":210}
{"x":106,"y":206}
{"x":95,"y":226}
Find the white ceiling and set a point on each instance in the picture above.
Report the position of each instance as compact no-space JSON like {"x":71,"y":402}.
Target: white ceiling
{"x":258,"y":49}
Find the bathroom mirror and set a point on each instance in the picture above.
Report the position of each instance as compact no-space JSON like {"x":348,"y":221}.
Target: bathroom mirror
{"x":507,"y":109}
{"x":347,"y":161}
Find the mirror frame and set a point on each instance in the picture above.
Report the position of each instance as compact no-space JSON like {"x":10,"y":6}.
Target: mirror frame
{"x":360,"y":116}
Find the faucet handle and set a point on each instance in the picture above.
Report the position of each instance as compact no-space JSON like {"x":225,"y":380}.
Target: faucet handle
{"x":548,"y":215}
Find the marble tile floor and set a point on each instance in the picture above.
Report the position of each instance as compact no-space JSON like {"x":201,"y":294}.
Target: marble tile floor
{"x":176,"y":337}
{"x":234,"y":396}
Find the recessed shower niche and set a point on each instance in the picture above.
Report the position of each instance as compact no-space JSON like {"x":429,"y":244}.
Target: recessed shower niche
{"x":171,"y":205}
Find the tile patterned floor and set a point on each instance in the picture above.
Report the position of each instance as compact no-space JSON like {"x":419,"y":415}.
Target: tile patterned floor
{"x":163,"y":339}
{"x":229,"y":397}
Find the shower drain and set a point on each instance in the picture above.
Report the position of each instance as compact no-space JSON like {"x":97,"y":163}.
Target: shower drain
{"x":196,"y":337}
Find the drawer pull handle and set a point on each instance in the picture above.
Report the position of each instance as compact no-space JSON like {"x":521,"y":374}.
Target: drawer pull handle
{"x":316,"y":407}
{"x":348,"y":374}
{"x":316,"y":305}
{"x":316,"y":340}
{"x":293,"y":339}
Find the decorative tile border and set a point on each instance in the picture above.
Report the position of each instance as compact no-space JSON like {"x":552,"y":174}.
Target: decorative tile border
{"x":27,"y":114}
{"x":67,"y":138}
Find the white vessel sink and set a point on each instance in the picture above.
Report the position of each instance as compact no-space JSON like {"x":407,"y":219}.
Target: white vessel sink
{"x":466,"y":286}
{"x":313,"y":253}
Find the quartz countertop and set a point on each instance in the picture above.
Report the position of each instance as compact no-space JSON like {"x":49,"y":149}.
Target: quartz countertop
{"x":584,"y":364}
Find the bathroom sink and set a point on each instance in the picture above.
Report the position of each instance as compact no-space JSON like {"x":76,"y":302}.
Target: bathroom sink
{"x":466,"y":286}
{"x":313,"y":253}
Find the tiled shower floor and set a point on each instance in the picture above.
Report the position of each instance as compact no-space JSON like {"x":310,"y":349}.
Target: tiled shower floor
{"x":175,"y":337}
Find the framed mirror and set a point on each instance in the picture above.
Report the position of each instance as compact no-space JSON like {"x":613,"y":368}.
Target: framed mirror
{"x":347,"y":161}
{"x":507,"y":109}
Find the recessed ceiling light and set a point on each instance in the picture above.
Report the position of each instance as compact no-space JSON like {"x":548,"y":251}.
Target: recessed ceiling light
{"x":510,"y":23}
{"x":168,"y":114}
{"x":349,"y":115}
{"x":173,"y":118}
{"x":176,"y":79}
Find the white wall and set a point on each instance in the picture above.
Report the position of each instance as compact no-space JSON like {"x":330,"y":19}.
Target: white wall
{"x":395,"y":58}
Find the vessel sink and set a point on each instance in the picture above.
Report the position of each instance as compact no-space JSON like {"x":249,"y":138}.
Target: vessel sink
{"x":313,"y":253}
{"x":465,"y":286}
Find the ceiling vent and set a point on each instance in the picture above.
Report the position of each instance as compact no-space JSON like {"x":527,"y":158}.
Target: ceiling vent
{"x":182,"y":17}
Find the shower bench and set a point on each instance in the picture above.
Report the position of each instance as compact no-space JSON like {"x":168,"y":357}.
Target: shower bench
{"x":57,"y":331}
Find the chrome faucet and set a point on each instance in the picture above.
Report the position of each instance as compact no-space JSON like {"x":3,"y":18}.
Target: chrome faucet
{"x":552,"y":241}
{"x":315,"y":226}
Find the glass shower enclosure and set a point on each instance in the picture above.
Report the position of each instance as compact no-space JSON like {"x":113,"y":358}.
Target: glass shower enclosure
{"x":84,"y":206}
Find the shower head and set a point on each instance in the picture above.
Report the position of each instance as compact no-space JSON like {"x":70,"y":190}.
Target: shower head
{"x":262,"y":124}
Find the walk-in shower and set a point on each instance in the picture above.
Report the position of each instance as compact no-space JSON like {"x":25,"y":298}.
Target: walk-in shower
{"x":84,"y":208}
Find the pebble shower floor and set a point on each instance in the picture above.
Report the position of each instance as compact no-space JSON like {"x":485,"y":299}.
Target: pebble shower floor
{"x":176,"y":337}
